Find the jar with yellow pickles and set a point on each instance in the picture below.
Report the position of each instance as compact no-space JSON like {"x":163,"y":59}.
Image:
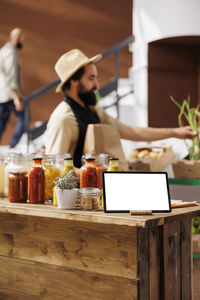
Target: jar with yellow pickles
{"x":113,"y":165}
{"x":51,"y":171}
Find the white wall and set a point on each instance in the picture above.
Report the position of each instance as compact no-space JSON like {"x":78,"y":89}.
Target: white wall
{"x":153,"y":20}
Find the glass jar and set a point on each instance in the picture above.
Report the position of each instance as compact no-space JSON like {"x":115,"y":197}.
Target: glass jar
{"x":68,"y":165}
{"x":9,"y":162}
{"x":18,"y":186}
{"x":88,"y":173}
{"x":37,"y":182}
{"x":2,"y":174}
{"x":113,"y":165}
{"x":14,"y":161}
{"x":90,"y":198}
{"x":101,"y":161}
{"x":18,"y":179}
{"x":60,"y":160}
{"x":51,"y":171}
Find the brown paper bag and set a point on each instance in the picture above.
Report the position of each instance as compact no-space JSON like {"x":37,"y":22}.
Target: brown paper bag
{"x":103,"y":138}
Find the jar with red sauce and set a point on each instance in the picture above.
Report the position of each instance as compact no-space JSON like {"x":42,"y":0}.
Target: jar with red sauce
{"x":18,"y":180}
{"x":101,"y":162}
{"x":18,"y":186}
{"x":88,"y":173}
{"x":37,"y":182}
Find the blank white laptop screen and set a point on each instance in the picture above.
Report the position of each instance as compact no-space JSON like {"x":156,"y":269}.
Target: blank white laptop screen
{"x":126,"y":191}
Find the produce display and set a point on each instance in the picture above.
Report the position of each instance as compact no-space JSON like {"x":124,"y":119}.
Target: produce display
{"x":144,"y":153}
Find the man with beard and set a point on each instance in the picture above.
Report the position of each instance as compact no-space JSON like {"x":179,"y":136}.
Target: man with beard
{"x":68,"y":123}
{"x":10,"y":85}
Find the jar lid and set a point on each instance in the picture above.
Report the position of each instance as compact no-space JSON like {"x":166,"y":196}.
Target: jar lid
{"x":68,"y":158}
{"x":90,"y":159}
{"x":22,"y":172}
{"x":89,"y":190}
{"x":114,"y":158}
{"x":48,"y":156}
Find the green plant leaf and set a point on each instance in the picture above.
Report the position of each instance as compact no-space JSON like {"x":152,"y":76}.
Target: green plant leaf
{"x":192,"y":117}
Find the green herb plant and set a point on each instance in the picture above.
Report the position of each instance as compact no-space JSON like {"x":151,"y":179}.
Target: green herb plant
{"x":67,"y":182}
{"x":192,"y":116}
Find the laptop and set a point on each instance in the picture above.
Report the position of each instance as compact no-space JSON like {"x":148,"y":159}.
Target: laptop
{"x":136,"y":191}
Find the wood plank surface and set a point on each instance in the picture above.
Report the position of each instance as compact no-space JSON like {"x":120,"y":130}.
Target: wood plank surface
{"x":101,"y":248}
{"x":155,"y":261}
{"x":172,"y":261}
{"x":143,"y":263}
{"x":26,"y":280}
{"x":186,"y":259}
{"x":196,"y":279}
{"x":50,"y":211}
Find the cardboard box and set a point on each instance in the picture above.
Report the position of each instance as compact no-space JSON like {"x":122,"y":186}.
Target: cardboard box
{"x":186,"y":169}
{"x":148,"y":164}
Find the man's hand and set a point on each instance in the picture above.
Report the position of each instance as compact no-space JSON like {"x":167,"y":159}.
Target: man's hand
{"x":77,"y":173}
{"x":18,"y":105}
{"x":184,"y":132}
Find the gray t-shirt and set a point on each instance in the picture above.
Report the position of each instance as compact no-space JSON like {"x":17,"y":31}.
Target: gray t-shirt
{"x":9,"y":72}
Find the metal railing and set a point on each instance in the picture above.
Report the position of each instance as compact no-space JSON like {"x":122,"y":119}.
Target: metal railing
{"x":105,"y":90}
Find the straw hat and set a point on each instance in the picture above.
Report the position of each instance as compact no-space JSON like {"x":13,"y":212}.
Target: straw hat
{"x":71,"y":62}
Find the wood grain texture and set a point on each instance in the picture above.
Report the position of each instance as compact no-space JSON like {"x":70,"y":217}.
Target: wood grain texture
{"x":94,"y":260}
{"x":143,"y":263}
{"x":186,"y":259}
{"x":172,"y":261}
{"x":155,"y":261}
{"x":196,"y":279}
{"x":49,"y":211}
{"x":25,"y":280}
{"x":106,"y":249}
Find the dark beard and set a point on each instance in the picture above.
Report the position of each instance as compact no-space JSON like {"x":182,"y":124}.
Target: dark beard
{"x":88,"y":98}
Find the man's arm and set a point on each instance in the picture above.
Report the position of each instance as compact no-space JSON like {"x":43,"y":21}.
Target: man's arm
{"x":11,"y":68}
{"x":153,"y":134}
{"x":145,"y":134}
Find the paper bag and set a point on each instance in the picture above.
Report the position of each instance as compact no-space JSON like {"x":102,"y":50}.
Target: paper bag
{"x":103,"y":138}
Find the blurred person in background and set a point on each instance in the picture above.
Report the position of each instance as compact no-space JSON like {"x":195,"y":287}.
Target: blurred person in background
{"x":68,"y":123}
{"x":10,"y":85}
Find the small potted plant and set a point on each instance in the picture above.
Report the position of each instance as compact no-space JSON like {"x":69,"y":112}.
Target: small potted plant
{"x":66,"y":190}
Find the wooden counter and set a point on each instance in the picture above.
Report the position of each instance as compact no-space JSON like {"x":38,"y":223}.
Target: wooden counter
{"x":47,"y":253}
